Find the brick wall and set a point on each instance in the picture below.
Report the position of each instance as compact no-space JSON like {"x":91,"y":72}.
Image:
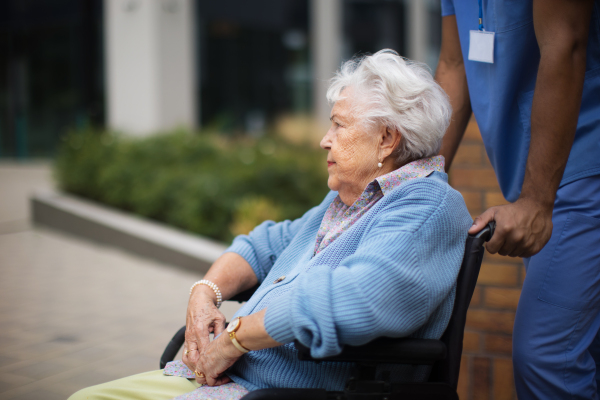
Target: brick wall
{"x":486,"y":368}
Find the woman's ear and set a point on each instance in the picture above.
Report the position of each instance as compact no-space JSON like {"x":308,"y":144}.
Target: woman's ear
{"x":390,"y":140}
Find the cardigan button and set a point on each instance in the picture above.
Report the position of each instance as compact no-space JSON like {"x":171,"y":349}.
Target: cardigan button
{"x":279,"y":279}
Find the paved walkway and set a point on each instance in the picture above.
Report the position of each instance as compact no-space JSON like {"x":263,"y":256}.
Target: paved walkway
{"x":75,"y":313}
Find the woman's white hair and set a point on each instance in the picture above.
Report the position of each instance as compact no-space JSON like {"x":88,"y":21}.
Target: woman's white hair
{"x":400,"y":94}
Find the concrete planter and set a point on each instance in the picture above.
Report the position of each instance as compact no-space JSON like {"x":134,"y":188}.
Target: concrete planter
{"x":106,"y":225}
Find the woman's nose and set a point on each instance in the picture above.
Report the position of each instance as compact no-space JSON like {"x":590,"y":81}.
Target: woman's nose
{"x":326,"y":141}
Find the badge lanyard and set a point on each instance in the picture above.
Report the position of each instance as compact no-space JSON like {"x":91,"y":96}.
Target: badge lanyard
{"x":480,"y":15}
{"x":481,"y":43}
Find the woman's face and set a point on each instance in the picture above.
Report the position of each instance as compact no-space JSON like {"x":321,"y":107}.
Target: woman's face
{"x":353,"y":151}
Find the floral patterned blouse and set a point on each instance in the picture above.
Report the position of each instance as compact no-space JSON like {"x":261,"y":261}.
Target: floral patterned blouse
{"x":337,"y":219}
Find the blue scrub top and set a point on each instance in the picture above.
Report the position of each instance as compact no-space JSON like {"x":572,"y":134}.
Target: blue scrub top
{"x":502,"y":92}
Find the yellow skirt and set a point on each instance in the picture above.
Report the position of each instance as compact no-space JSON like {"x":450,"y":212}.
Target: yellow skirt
{"x":147,"y":386}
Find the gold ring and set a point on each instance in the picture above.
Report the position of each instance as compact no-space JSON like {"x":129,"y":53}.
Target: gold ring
{"x":199,"y":374}
{"x":186,"y":352}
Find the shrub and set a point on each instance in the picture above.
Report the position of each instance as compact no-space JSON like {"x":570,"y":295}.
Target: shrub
{"x":204,"y":183}
{"x":251,"y":211}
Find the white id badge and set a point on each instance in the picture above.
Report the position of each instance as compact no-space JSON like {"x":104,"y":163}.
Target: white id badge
{"x":481,"y":46}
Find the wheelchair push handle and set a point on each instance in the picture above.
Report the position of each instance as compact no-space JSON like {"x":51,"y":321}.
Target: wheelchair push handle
{"x":487,"y":232}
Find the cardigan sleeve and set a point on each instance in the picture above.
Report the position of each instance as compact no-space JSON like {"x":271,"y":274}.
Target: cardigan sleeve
{"x":389,"y":287}
{"x":261,"y":247}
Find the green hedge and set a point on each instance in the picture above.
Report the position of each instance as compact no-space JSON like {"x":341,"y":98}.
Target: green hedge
{"x":211,"y":185}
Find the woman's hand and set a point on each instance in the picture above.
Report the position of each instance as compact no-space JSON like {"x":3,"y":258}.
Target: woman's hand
{"x":203,"y":317}
{"x":219,"y":355}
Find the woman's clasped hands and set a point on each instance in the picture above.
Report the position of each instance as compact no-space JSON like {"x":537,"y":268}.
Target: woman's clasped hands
{"x":208,"y":359}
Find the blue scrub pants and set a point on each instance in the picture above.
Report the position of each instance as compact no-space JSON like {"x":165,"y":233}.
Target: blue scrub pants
{"x":556,"y":340}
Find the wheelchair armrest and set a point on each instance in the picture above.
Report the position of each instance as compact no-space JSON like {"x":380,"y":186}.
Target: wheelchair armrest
{"x":245,"y":295}
{"x":173,"y":347}
{"x":386,"y":350}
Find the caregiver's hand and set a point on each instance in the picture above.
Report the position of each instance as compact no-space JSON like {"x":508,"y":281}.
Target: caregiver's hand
{"x":522,"y":228}
{"x":219,"y":355}
{"x":203,"y":317}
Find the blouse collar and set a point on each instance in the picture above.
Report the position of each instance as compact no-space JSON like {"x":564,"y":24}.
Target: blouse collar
{"x":416,"y":169}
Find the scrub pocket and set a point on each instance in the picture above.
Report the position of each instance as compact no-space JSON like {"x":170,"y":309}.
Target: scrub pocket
{"x":572,"y":280}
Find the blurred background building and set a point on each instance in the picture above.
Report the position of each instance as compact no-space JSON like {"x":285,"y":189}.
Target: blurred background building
{"x":142,"y":66}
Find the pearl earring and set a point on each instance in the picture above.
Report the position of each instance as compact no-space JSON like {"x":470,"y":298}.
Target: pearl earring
{"x":379,"y":165}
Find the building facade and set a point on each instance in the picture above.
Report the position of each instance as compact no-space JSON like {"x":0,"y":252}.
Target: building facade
{"x":144,"y":66}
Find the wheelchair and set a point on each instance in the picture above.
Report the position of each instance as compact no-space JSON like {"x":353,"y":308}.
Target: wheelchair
{"x":442,"y":355}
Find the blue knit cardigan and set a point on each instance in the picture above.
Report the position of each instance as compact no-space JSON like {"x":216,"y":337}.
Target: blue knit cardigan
{"x":393,"y":273}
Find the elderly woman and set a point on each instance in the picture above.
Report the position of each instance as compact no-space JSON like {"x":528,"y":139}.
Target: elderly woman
{"x":378,"y":257}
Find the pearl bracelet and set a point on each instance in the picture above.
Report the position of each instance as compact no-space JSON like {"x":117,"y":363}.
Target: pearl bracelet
{"x":212,"y":286}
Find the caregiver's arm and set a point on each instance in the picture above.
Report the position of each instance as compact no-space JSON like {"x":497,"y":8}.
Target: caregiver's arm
{"x":524,"y":227}
{"x":450,"y":74}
